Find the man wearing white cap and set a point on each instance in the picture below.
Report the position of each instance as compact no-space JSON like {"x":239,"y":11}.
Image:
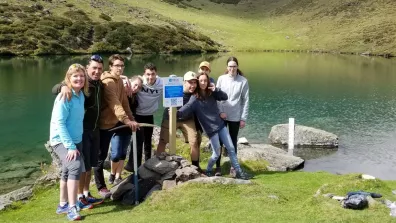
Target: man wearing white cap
{"x":186,"y":125}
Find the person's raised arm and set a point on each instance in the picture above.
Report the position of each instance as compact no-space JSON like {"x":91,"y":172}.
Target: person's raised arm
{"x":63,"y":90}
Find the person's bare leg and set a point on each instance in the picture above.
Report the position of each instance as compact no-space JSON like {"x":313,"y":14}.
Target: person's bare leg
{"x":119,"y":169}
{"x":72,"y":186}
{"x":161,"y":147}
{"x":63,"y":191}
{"x":114,"y":166}
{"x":87,"y":181}
{"x":81,"y":183}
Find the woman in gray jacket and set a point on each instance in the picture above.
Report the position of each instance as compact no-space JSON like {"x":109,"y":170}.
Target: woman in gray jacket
{"x":234,"y":110}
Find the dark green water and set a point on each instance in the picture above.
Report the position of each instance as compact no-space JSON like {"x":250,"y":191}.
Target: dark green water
{"x":351,"y":96}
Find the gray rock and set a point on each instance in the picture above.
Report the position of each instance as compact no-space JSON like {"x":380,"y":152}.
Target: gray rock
{"x":185,"y":163}
{"x":371,"y":201}
{"x":304,"y":136}
{"x":169,"y":176}
{"x":243,"y":140}
{"x":120,"y":189}
{"x":168,"y":184}
{"x":273,"y":197}
{"x":160,"y":166}
{"x":219,"y":180}
{"x":174,"y":158}
{"x":157,"y":187}
{"x":394,"y":192}
{"x":17,"y":195}
{"x":278,"y":159}
{"x":186,"y":173}
{"x":145,"y":173}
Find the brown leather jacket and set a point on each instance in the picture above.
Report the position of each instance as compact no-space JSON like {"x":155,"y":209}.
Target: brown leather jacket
{"x":115,"y":106}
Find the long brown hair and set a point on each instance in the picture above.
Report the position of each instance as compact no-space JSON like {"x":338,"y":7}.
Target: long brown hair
{"x":198,"y":92}
{"x":236,"y":61}
{"x":73,"y":69}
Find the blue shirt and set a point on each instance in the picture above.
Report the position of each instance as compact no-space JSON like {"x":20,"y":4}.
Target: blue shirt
{"x":67,"y":121}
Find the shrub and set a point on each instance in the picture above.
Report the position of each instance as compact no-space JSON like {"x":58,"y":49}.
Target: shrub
{"x":100,"y":32}
{"x":48,"y":32}
{"x":77,"y":15}
{"x":70,"y":5}
{"x":105,"y":17}
{"x":102,"y":47}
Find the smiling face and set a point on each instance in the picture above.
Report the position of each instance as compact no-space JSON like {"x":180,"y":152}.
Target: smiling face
{"x":117,"y":68}
{"x":203,"y":82}
{"x":77,"y":80}
{"x":232,"y":67}
{"x":136,"y":85}
{"x":150,"y":75}
{"x":190,"y":86}
{"x":94,"y":70}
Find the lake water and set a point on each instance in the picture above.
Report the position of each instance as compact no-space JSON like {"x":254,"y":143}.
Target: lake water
{"x":351,"y":96}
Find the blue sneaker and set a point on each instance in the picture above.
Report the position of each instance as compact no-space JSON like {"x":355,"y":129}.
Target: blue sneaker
{"x":62,"y":210}
{"x":83,"y":204}
{"x":73,"y":214}
{"x":93,"y":200}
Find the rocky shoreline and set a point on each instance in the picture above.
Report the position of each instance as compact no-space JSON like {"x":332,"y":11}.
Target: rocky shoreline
{"x":179,"y":170}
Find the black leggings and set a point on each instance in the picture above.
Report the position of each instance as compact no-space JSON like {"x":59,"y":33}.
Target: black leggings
{"x":233,"y":129}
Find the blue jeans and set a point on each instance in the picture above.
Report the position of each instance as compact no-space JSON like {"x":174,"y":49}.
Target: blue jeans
{"x":225,"y":137}
{"x":119,"y":146}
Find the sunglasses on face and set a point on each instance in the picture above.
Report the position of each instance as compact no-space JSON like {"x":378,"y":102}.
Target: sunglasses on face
{"x":97,"y":58}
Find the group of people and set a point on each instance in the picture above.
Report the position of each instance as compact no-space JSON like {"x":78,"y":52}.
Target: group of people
{"x":91,"y":103}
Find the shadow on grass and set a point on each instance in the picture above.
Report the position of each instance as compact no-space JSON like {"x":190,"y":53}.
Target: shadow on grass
{"x":117,"y":207}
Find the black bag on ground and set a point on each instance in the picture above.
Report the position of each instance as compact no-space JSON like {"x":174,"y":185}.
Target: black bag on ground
{"x":355,"y":201}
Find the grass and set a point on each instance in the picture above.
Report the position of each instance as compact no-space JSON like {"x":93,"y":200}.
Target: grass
{"x":229,"y":203}
{"x":294,"y":201}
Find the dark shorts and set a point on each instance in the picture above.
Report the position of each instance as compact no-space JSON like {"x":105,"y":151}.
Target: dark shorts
{"x":90,"y":150}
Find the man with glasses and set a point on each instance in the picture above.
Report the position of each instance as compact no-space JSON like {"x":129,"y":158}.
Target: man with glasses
{"x":91,"y":138}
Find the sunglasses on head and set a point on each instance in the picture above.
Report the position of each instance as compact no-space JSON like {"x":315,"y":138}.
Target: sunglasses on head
{"x":97,"y":58}
{"x":76,"y":65}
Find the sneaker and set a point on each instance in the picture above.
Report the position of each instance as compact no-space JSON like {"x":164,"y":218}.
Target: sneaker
{"x":233,"y":172}
{"x":62,"y":210}
{"x":117,"y":181}
{"x":243,"y":175}
{"x":111,"y":179}
{"x":83,"y":204}
{"x":105,"y":193}
{"x":218,"y":172}
{"x":94,"y":201}
{"x":209,"y":173}
{"x":128,"y":167}
{"x":73,"y":214}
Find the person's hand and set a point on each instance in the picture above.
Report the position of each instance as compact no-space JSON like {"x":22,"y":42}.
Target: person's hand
{"x":72,"y":155}
{"x":133,"y":125}
{"x":212,"y":87}
{"x":65,"y":93}
{"x":242,"y":124}
{"x":223,"y":115}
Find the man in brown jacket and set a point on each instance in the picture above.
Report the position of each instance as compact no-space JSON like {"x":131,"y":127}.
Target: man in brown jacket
{"x":115,"y":112}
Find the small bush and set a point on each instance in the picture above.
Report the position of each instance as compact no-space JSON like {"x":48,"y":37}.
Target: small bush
{"x":77,"y":15}
{"x":69,"y":5}
{"x":103,"y":48}
{"x":100,"y":32}
{"x":105,"y":17}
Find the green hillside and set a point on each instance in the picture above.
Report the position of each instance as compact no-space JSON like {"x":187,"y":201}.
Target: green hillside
{"x":353,"y":26}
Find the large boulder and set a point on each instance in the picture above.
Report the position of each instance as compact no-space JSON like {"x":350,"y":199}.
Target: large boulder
{"x":304,"y":136}
{"x":17,"y":195}
{"x":277,"y":159}
{"x":160,"y":166}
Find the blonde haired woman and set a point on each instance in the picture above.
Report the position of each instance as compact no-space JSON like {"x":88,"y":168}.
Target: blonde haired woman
{"x":66,"y":131}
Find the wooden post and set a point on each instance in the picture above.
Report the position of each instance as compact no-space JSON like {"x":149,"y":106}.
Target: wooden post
{"x":172,"y":131}
{"x":291,"y":134}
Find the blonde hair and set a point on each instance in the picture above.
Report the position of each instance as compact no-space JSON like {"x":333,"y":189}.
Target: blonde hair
{"x":74,"y":68}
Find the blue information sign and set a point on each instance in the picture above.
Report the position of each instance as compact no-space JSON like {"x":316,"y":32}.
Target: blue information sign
{"x":173,"y":91}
